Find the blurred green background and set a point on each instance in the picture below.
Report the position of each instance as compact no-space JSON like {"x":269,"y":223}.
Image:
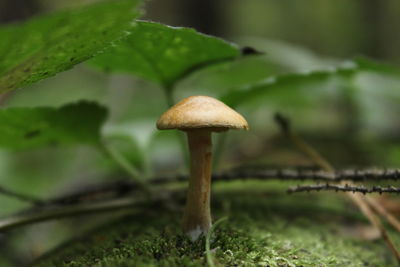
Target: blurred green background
{"x":349,"y":125}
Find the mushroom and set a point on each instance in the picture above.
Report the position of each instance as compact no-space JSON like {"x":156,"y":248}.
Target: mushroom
{"x":198,"y":116}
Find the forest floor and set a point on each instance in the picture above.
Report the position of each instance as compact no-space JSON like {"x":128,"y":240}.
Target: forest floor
{"x":265,"y":226}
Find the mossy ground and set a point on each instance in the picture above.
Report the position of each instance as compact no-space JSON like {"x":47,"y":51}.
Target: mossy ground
{"x":264,"y":228}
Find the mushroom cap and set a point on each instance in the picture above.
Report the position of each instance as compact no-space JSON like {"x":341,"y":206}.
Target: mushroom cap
{"x":197,"y":112}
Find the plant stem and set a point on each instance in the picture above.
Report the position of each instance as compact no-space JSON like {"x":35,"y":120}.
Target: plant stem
{"x":168,"y":96}
{"x":170,"y":102}
{"x":197,"y":215}
{"x":124,"y":164}
{"x":219,"y":149}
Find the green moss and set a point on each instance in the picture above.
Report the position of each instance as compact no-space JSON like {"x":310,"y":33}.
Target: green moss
{"x":264,"y":229}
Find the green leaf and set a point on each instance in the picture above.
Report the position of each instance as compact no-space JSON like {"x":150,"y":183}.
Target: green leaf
{"x":46,"y":45}
{"x":301,"y":81}
{"x":281,"y":83}
{"x":368,"y":89}
{"x":222,"y":77}
{"x":164,"y":54}
{"x":367,"y":64}
{"x":23,"y":128}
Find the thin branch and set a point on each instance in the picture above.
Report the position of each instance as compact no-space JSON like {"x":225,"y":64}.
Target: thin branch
{"x":359,"y":200}
{"x":21,"y":197}
{"x":344,"y":188}
{"x":361,"y":189}
{"x":381,"y":210}
{"x":316,"y":175}
{"x":123,"y":188}
{"x":72,"y":210}
{"x":97,"y":192}
{"x":293,"y":175}
{"x":309,"y":151}
{"x":44,"y":215}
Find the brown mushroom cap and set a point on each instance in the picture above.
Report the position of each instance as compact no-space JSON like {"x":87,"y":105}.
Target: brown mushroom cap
{"x":197,"y":112}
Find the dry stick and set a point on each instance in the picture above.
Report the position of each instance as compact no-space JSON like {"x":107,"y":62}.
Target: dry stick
{"x":324,"y":164}
{"x":21,"y":197}
{"x":123,"y":188}
{"x":128,"y":203}
{"x":381,"y":210}
{"x":363,"y":205}
{"x":345,"y":188}
{"x":359,"y":200}
{"x":57,"y":213}
{"x":318,"y":159}
{"x":126,"y":187}
{"x":236,"y":174}
{"x":289,"y":174}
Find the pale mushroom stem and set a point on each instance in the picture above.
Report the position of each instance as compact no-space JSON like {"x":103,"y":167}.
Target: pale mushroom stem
{"x":197,"y":217}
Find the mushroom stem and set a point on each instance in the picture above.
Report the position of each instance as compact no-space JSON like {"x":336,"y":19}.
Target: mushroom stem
{"x":197,"y":217}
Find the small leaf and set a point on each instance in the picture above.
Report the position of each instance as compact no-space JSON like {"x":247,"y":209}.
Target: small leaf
{"x":46,"y":45}
{"x":23,"y":128}
{"x":367,"y":64}
{"x":164,"y":54}
{"x":276,"y":84}
{"x":227,"y":76}
{"x":312,"y":79}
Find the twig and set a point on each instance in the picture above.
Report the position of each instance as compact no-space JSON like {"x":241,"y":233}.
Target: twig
{"x":97,"y":192}
{"x":310,"y":152}
{"x":359,"y":200}
{"x":122,"y":188}
{"x":316,"y":175}
{"x":381,"y":210}
{"x":344,"y":188}
{"x":21,"y":197}
{"x":44,"y":215}
{"x":72,"y":210}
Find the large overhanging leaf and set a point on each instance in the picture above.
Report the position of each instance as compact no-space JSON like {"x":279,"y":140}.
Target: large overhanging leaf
{"x":164,"y":54}
{"x":23,"y":128}
{"x":46,"y":45}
